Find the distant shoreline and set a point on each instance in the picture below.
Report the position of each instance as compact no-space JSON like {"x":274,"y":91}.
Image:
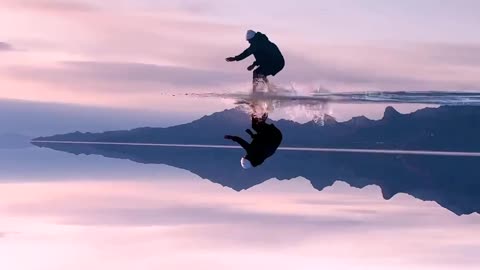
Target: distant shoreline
{"x":310,"y":149}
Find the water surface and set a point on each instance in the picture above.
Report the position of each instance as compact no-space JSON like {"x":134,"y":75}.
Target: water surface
{"x":65,"y":211}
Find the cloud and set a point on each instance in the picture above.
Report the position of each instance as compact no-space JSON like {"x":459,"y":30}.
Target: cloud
{"x":134,"y":72}
{"x":197,"y":215}
{"x":178,"y":214}
{"x":452,"y":54}
{"x":5,"y":47}
{"x":109,"y":77}
{"x":198,"y":6}
{"x":412,"y":67}
{"x":6,"y":234}
{"x":51,"y":5}
{"x":301,"y":68}
{"x":136,"y":51}
{"x":115,"y":76}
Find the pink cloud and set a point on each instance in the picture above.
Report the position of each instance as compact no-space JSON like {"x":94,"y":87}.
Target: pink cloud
{"x":5,"y":46}
{"x":219,"y":226}
{"x":185,"y":50}
{"x":61,"y":6}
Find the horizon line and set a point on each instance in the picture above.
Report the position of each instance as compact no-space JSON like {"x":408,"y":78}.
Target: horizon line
{"x":306,"y":149}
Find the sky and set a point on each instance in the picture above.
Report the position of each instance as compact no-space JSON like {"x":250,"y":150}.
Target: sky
{"x":136,"y":54}
{"x":90,"y":65}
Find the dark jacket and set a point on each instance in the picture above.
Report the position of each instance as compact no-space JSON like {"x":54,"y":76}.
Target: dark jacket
{"x":266,"y":53}
{"x":263,"y":145}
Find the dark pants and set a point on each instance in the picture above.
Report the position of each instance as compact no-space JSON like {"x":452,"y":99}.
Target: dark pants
{"x":259,"y":125}
{"x":261,"y":73}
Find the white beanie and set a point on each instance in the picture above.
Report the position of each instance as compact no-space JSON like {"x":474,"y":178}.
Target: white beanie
{"x":250,"y":34}
{"x":246,"y":164}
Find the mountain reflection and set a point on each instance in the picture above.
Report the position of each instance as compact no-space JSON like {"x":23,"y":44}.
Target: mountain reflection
{"x":450,"y":181}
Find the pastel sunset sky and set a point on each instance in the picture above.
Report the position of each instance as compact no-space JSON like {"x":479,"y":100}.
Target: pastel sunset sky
{"x":96,"y":65}
{"x":134,"y":54}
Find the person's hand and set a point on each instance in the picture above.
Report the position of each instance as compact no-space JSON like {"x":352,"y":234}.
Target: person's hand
{"x":249,"y":68}
{"x":230,"y":59}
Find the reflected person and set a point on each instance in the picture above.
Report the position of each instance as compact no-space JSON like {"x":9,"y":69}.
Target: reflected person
{"x":264,"y":143}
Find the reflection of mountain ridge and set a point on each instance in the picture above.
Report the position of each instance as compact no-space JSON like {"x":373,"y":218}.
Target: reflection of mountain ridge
{"x":452,"y":182}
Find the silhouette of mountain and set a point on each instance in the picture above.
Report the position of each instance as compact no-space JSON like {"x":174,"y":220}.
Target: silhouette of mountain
{"x":447,"y":128}
{"x":452,"y":182}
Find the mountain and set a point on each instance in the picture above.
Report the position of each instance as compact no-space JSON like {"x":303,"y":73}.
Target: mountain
{"x":447,"y":128}
{"x":452,"y":182}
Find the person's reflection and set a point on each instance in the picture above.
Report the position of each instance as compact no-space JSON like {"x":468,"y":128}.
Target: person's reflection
{"x":264,"y":143}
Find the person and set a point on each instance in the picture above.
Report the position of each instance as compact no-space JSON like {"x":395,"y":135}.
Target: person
{"x":264,"y":143}
{"x":268,"y":58}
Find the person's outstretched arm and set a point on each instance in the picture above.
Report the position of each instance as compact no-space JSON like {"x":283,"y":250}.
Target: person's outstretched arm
{"x":246,"y":53}
{"x":245,"y":145}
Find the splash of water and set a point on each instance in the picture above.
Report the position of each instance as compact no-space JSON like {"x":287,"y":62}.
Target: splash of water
{"x":267,"y":99}
{"x":316,"y":104}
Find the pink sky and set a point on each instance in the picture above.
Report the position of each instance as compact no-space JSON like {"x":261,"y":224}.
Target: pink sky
{"x":183,"y":221}
{"x":133,"y":53}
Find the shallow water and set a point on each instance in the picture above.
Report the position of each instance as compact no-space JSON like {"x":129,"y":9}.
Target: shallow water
{"x":470,"y":98}
{"x":144,"y":210}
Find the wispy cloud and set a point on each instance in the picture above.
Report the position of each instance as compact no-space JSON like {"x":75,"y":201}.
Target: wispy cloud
{"x":51,"y":5}
{"x":143,"y":47}
{"x":196,"y":216}
{"x":115,"y":76}
{"x":5,"y":46}
{"x":450,"y":54}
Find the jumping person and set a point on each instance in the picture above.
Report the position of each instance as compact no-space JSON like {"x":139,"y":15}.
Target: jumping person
{"x":268,"y":58}
{"x":264,"y":143}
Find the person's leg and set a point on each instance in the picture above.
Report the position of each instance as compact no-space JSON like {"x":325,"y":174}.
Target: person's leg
{"x":258,"y":76}
{"x":244,"y":144}
{"x":267,"y":71}
{"x":258,"y":124}
{"x":255,"y":123}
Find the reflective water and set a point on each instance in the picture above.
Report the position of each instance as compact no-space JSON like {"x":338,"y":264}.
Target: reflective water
{"x":292,"y":97}
{"x":160,"y":208}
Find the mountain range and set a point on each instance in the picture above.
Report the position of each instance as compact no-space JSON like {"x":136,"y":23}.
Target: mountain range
{"x":447,"y":128}
{"x":450,"y":181}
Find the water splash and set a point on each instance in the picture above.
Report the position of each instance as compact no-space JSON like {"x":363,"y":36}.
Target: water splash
{"x":451,"y":98}
{"x":316,"y":104}
{"x":269,"y":98}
